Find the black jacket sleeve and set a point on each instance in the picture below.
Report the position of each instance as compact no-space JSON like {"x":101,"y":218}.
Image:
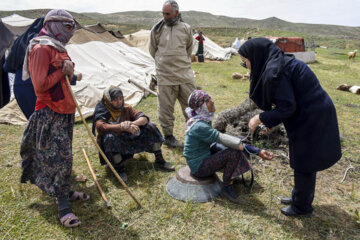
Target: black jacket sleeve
{"x":285,"y":105}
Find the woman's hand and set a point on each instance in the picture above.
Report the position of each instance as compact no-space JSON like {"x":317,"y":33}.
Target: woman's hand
{"x":125,"y":125}
{"x":68,"y":68}
{"x":254,"y":123}
{"x":130,"y":127}
{"x":134,"y":129}
{"x":266,"y":155}
{"x":79,"y":77}
{"x":241,"y":147}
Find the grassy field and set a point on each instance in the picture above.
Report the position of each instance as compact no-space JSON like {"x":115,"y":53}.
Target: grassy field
{"x":27,"y":213}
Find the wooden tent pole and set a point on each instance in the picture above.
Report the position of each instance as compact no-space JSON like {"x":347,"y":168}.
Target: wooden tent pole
{"x":142,"y":87}
{"x":98,"y":147}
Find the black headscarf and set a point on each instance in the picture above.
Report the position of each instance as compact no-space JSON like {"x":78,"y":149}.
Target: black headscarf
{"x":267,"y":64}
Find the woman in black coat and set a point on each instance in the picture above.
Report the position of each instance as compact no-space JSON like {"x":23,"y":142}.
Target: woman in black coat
{"x":290,"y":93}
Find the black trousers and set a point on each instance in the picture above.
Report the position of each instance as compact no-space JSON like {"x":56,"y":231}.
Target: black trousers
{"x":200,"y":53}
{"x":303,"y":192}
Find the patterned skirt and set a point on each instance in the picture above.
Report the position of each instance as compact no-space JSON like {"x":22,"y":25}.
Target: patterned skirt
{"x":127,"y":145}
{"x":233,"y":162}
{"x":46,"y":152}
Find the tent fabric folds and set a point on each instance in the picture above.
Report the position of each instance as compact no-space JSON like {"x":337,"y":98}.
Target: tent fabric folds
{"x":103,"y":60}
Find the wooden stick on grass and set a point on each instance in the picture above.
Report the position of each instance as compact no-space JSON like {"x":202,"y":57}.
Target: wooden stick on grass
{"x":98,"y":147}
{"x":96,"y":181}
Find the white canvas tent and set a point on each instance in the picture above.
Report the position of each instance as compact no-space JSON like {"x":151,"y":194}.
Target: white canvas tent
{"x":17,"y":20}
{"x":103,"y":62}
{"x":237,"y":44}
{"x":11,"y":27}
{"x":140,"y":39}
{"x":212,"y":50}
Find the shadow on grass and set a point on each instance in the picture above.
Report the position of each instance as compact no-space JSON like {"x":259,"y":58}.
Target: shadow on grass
{"x":98,"y":221}
{"x":139,"y":171}
{"x":252,"y":204}
{"x":327,"y":222}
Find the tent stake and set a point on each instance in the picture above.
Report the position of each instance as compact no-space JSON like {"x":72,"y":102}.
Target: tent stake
{"x":98,"y":147}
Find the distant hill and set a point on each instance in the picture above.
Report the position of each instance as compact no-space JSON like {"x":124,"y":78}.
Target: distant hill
{"x":36,"y":13}
{"x":203,"y":19}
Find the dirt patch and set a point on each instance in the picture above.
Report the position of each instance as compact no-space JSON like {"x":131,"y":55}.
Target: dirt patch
{"x":234,"y":121}
{"x":351,"y":105}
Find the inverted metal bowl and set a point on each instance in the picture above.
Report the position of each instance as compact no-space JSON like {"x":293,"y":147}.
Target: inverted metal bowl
{"x":186,"y":187}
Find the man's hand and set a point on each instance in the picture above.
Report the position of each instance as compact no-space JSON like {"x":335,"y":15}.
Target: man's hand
{"x":266,"y":155}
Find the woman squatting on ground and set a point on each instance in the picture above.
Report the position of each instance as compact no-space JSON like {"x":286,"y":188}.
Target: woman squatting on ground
{"x":123,"y":131}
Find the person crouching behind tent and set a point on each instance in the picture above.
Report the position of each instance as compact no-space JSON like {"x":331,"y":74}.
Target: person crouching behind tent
{"x":202,"y":143}
{"x":46,"y":146}
{"x":124,"y":131}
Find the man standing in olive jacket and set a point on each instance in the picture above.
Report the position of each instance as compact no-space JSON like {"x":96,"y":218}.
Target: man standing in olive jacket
{"x":170,"y":45}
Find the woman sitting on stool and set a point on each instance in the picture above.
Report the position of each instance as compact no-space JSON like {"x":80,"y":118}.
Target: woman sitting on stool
{"x":200,"y":137}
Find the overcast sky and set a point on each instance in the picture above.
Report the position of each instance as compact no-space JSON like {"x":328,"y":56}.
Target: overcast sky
{"x":338,"y":12}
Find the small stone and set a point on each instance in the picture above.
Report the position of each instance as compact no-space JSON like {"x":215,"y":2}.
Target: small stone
{"x":237,"y":76}
{"x":80,"y":178}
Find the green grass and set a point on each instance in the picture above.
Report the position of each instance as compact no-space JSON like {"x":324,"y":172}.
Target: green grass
{"x":27,"y":213}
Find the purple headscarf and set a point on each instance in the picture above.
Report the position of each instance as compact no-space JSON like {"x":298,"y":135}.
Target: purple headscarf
{"x":55,"y":23}
{"x":197,"y":109}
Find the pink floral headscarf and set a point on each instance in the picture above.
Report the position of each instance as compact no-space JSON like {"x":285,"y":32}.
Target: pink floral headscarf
{"x":197,"y":109}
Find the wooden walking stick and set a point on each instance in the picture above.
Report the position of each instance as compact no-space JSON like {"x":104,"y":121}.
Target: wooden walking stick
{"x":98,"y":147}
{"x":96,"y":181}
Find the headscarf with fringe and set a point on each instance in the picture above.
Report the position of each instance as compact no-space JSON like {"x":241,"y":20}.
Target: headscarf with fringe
{"x":111,"y":94}
{"x":197,"y":109}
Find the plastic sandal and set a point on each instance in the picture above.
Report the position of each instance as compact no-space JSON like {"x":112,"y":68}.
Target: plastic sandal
{"x":68,"y":218}
{"x":79,"y":196}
